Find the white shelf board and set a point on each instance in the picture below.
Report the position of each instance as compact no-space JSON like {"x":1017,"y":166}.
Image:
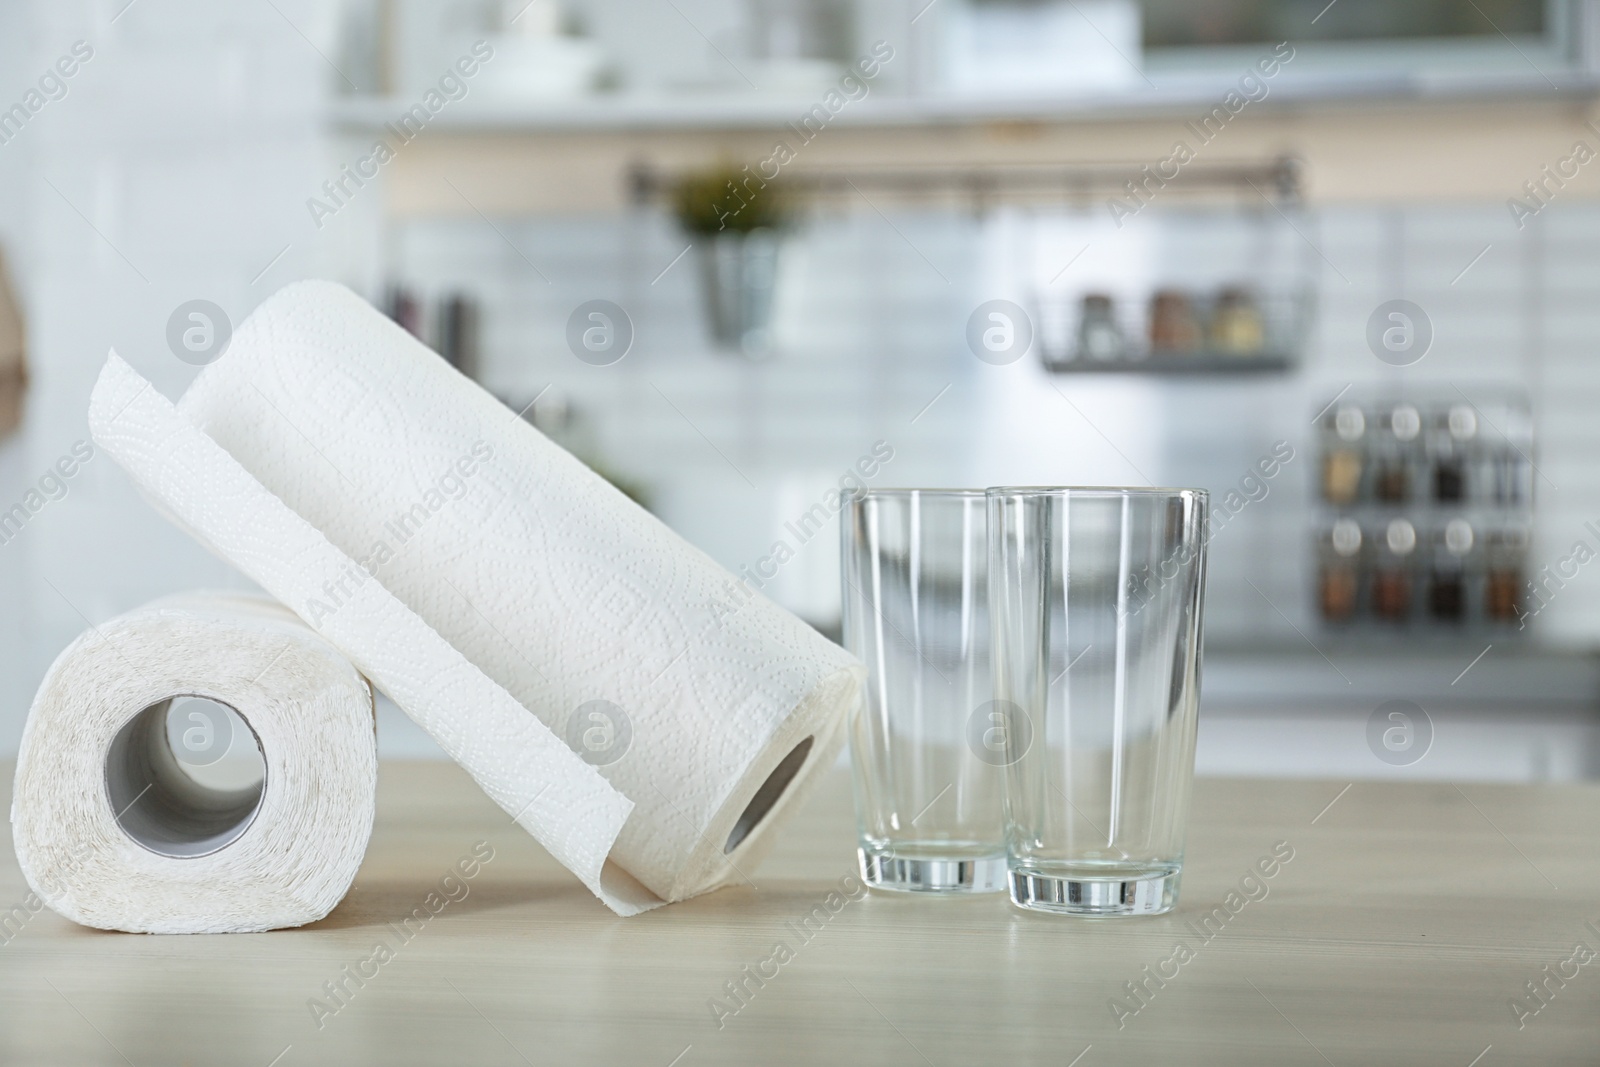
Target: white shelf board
{"x":736,"y":110}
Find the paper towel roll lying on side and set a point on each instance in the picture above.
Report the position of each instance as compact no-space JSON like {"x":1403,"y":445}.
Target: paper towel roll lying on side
{"x":113,"y":831}
{"x":342,"y":438}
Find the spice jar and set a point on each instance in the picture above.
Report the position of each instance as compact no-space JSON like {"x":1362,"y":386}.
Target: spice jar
{"x":1452,"y":454}
{"x":1396,"y":453}
{"x":1507,"y":552}
{"x":1173,"y":325}
{"x":1339,"y":582}
{"x":1391,"y":579}
{"x":1342,"y":459}
{"x":1099,"y":337}
{"x":1236,"y":325}
{"x":1447,"y":590}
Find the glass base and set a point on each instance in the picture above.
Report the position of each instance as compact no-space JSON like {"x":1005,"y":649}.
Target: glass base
{"x":893,"y":869}
{"x":1142,"y":891}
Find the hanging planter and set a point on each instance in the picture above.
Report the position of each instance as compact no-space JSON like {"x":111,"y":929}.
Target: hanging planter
{"x":736,"y":221}
{"x":738,"y":272}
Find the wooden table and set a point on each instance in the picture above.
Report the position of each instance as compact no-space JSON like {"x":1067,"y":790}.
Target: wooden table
{"x":1406,"y":922}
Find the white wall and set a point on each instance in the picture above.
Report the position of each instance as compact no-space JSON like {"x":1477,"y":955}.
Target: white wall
{"x":180,"y":163}
{"x":174,"y":168}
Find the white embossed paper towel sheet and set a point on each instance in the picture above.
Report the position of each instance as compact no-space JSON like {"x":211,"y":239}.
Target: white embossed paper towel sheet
{"x":114,"y":831}
{"x":647,"y":717}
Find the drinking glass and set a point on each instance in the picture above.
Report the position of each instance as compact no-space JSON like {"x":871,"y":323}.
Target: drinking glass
{"x":1096,"y":598}
{"x":916,"y":612}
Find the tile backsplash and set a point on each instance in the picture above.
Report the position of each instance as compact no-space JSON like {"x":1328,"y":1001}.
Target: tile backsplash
{"x":871,"y":346}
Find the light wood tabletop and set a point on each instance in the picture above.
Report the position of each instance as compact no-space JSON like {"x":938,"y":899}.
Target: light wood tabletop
{"x":1408,"y":920}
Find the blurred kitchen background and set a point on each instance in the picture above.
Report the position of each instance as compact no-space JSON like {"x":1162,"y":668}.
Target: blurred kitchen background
{"x":1198,"y":215}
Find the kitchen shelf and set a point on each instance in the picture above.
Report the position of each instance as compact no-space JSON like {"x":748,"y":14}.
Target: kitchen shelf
{"x":1361,"y":671}
{"x":1197,"y":364}
{"x":1171,"y":97}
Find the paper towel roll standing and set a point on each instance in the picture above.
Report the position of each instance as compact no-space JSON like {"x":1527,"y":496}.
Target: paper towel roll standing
{"x":702,"y":703}
{"x":113,"y":831}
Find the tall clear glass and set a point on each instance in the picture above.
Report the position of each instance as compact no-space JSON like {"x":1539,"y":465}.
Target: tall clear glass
{"x":916,"y":612}
{"x":1096,"y":598}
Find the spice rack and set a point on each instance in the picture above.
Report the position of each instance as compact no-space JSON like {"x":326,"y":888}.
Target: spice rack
{"x":1222,"y":281}
{"x":1233,"y":329}
{"x":1425,"y":512}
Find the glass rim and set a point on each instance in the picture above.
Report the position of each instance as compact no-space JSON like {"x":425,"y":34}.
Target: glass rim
{"x":1093,"y":490}
{"x":899,"y":491}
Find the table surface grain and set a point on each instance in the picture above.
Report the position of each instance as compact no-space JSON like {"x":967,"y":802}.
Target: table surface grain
{"x":1408,"y":920}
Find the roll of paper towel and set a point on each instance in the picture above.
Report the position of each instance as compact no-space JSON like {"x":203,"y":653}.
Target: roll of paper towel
{"x":643,"y":713}
{"x":114,"y":831}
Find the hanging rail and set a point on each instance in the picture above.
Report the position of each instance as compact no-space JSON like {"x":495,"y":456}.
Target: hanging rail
{"x":1277,"y":181}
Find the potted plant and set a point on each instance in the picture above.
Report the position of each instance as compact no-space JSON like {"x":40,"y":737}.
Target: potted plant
{"x":735,"y":217}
